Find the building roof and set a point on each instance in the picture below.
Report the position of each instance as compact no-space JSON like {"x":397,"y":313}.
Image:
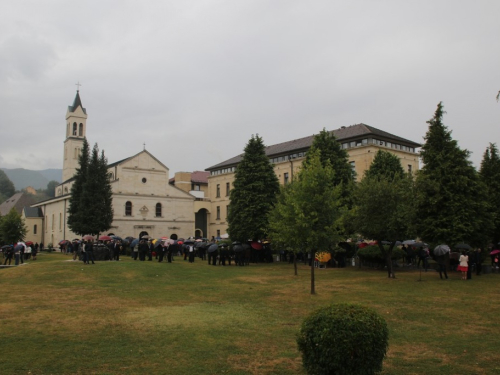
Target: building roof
{"x":343,"y":134}
{"x":77,"y":103}
{"x":33,"y":212}
{"x":17,"y":201}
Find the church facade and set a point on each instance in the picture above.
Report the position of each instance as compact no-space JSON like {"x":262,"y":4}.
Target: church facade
{"x":144,"y":202}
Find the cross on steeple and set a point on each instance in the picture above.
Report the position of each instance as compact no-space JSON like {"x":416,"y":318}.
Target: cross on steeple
{"x":78,"y":86}
{"x":144,"y":145}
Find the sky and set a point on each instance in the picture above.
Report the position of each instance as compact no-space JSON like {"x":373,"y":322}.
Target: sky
{"x":194,"y":80}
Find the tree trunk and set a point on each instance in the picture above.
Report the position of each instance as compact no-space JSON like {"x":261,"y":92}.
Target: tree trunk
{"x":295,"y":263}
{"x":312,"y":272}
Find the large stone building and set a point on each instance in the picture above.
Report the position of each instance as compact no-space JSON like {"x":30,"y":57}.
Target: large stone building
{"x":147,"y":201}
{"x":144,"y":202}
{"x":360,"y":141}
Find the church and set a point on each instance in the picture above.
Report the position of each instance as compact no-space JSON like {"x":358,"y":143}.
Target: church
{"x":145,"y":202}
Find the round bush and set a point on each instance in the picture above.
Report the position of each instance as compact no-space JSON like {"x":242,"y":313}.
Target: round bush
{"x":343,"y":339}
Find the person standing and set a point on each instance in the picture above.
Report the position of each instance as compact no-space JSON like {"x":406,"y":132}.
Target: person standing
{"x":191,"y":253}
{"x":479,"y":261}
{"x":118,"y":249}
{"x":41,"y":246}
{"x":162,"y":250}
{"x":143,"y":250}
{"x":151,"y":248}
{"x":89,"y":250}
{"x":442,"y":262}
{"x":463,"y":266}
{"x":9,"y":253}
{"x":35,"y":250}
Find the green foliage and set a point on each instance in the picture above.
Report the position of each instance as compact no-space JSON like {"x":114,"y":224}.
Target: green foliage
{"x":90,"y":206}
{"x":51,"y":188}
{"x":385,"y":211}
{"x":451,"y":200}
{"x":490,"y":176}
{"x":308,"y":209}
{"x":7,"y":188}
{"x":331,"y":151}
{"x":343,"y":339}
{"x":385,"y":164}
{"x":373,"y":254}
{"x":76,"y":219}
{"x":253,"y":195}
{"x":12,"y":227}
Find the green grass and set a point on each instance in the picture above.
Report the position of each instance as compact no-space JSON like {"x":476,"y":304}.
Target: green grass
{"x":131,"y":317}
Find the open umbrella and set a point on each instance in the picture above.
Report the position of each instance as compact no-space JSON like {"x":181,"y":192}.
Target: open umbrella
{"x":408,"y":242}
{"x":134,"y":243}
{"x":463,"y":246}
{"x":441,"y":250}
{"x":494,"y":252}
{"x":4,"y":247}
{"x":237,"y":247}
{"x":213,"y":247}
{"x":29,"y":243}
{"x":256,"y":245}
{"x":62,"y":242}
{"x":88,"y":237}
{"x":200,"y":244}
{"x":146,"y":237}
{"x":105,"y":238}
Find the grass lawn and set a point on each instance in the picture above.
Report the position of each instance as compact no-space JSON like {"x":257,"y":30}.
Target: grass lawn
{"x":131,"y":317}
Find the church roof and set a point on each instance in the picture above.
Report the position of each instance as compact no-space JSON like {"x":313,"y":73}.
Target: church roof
{"x":77,"y":103}
{"x":343,"y":134}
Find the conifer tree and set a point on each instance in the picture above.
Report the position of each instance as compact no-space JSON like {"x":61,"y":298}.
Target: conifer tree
{"x":451,"y":199}
{"x":385,"y":164}
{"x":76,"y":218}
{"x":96,"y":199}
{"x":7,"y":188}
{"x":253,"y":195}
{"x":490,"y":175}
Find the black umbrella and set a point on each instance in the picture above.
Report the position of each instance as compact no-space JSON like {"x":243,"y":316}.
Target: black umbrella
{"x":200,"y":244}
{"x":441,"y":250}
{"x":6,"y":247}
{"x":213,"y":247}
{"x":463,"y":246}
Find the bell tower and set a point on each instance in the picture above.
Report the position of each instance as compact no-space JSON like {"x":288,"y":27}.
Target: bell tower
{"x":76,"y":128}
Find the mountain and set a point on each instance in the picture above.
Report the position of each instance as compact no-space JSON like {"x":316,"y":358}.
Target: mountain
{"x":38,"y":179}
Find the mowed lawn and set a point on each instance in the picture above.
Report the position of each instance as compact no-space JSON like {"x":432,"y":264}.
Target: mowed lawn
{"x":131,"y":317}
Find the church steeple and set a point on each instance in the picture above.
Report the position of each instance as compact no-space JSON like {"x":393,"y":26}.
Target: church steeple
{"x":76,"y":128}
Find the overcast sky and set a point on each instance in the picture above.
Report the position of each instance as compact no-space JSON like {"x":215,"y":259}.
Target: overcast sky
{"x":195,"y":79}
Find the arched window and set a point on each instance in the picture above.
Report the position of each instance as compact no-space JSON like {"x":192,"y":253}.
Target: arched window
{"x":74,"y":128}
{"x":128,"y":208}
{"x":80,"y":131}
{"x":158,"y":209}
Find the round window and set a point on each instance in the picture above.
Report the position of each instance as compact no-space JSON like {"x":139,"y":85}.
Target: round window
{"x":144,"y":180}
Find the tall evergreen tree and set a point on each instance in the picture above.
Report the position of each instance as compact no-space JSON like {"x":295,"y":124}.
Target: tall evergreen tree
{"x":490,"y":175}
{"x":76,"y":218}
{"x":451,"y":205}
{"x":331,"y":151}
{"x":12,"y":227}
{"x":253,"y":195}
{"x":96,"y":199}
{"x":385,"y":164}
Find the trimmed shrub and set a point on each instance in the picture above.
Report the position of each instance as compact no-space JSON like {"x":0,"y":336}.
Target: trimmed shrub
{"x":343,"y":339}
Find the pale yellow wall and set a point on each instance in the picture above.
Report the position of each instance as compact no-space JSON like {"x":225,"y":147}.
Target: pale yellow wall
{"x":30,"y":222}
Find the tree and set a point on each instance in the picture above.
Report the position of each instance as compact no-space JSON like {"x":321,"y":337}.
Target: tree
{"x":309,"y":210}
{"x":385,"y":164}
{"x":385,"y":211}
{"x":96,"y":198}
{"x":51,"y":188}
{"x":7,"y":188}
{"x":451,"y":201}
{"x":90,"y":205}
{"x":12,"y":227}
{"x":490,"y":176}
{"x":331,"y":151}
{"x":76,"y":219}
{"x":253,"y":195}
